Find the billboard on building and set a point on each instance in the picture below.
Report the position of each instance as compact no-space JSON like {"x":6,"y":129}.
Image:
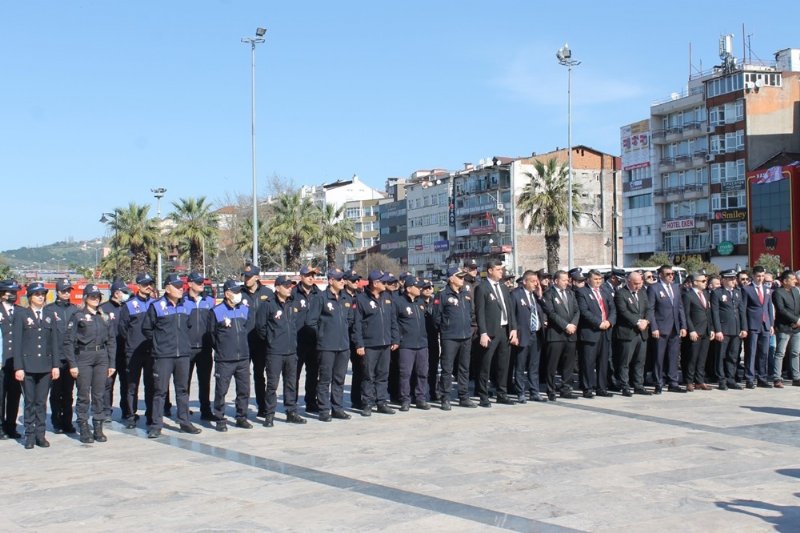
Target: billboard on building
{"x":773,"y":198}
{"x":635,"y":143}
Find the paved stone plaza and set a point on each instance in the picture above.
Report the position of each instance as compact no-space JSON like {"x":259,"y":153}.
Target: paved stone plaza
{"x":703,"y":461}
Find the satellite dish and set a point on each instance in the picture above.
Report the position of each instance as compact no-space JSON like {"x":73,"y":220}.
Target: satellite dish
{"x":759,"y":83}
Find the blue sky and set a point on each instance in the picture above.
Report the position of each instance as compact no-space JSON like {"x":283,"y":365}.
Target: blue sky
{"x":101,"y":101}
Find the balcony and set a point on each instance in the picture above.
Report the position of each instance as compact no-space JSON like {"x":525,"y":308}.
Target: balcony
{"x":694,"y":191}
{"x":683,"y":162}
{"x":659,"y":196}
{"x":667,"y":164}
{"x":658,"y":136}
{"x":699,"y":157}
{"x":674,"y":133}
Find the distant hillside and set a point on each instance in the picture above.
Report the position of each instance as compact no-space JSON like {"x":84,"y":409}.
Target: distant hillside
{"x":56,"y":255}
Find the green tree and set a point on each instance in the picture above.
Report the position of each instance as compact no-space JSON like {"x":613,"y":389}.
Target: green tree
{"x":135,"y":237}
{"x":293,"y":226}
{"x":196,"y":228}
{"x":5,"y":269}
{"x":376,"y":262}
{"x":543,"y":205}
{"x":333,"y":231}
{"x":655,"y":260}
{"x":771,"y":263}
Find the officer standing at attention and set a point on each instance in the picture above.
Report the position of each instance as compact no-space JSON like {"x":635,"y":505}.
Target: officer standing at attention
{"x":304,"y":293}
{"x":60,"y":312}
{"x":254,"y":295}
{"x":230,"y":326}
{"x":332,"y":316}
{"x":35,"y":362}
{"x":138,"y":360}
{"x":530,"y":323}
{"x":166,"y":324}
{"x":10,"y":389}
{"x":351,"y":291}
{"x":374,"y":327}
{"x":90,"y":347}
{"x":729,"y":316}
{"x":200,"y":307}
{"x":563,"y":314}
{"x":412,"y":345}
{"x":434,"y":350}
{"x":598,"y":316}
{"x":280,"y":332}
{"x":452,"y":313}
{"x":120,"y":294}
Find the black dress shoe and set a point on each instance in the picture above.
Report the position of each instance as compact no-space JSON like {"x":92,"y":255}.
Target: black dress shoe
{"x":627,"y":392}
{"x":588,"y":394}
{"x":765,"y":384}
{"x":208,"y":417}
{"x":445,"y":405}
{"x":469,"y":404}
{"x":130,"y":423}
{"x":190,"y":429}
{"x":657,"y":390}
{"x":642,"y":391}
{"x":42,"y":442}
{"x":505,"y":400}
{"x":425,"y":406}
{"x":723,"y":386}
{"x":736,"y":386}
{"x":57,"y":430}
{"x":341,"y":415}
{"x":676,"y":388}
{"x":367,"y":411}
{"x":70,"y":429}
{"x":568,"y":395}
{"x":261,"y":413}
{"x":294,"y":418}
{"x":536,"y":397}
{"x":29,"y":442}
{"x":405,"y":407}
{"x":384,"y":409}
{"x":484,"y":402}
{"x":749,"y":385}
{"x":324,"y":416}
{"x":13,"y":434}
{"x":605,"y":394}
{"x":312,"y":409}
{"x":153,"y":433}
{"x":551,"y":396}
{"x":269,"y":421}
{"x":222,"y":426}
{"x":243,"y":423}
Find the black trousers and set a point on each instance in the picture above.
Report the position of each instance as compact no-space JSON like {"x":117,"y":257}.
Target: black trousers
{"x":696,"y":363}
{"x":35,"y":386}
{"x":202,"y":360}
{"x":61,"y":398}
{"x":728,"y":358}
{"x":307,"y":357}
{"x":375,"y":386}
{"x":434,"y":353}
{"x":11,"y":393}
{"x":560,"y":358}
{"x":593,"y":364}
{"x":258,"y":357}
{"x":332,"y":372}
{"x":121,"y":374}
{"x":498,"y":348}
{"x":223,"y":372}
{"x":357,"y":378}
{"x":456,"y":354}
{"x":667,"y":350}
{"x":526,"y":373}
{"x":631,"y":356}
{"x":139,"y":366}
{"x":413,"y":362}
{"x":286,"y":366}
{"x":92,"y":379}
{"x":165,"y":368}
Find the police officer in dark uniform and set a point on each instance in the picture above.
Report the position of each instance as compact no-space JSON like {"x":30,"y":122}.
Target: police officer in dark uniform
{"x":138,"y":359}
{"x":90,"y":347}
{"x":120,"y":294}
{"x":200,"y":307}
{"x":729,"y":316}
{"x":60,"y":312}
{"x":351,"y":291}
{"x":412,"y":344}
{"x":254,"y":294}
{"x":35,"y":362}
{"x":280,"y":332}
{"x":434,"y":350}
{"x":303,"y":294}
{"x":230,"y":326}
{"x":166,"y":324}
{"x":10,"y":388}
{"x":452,"y":312}
{"x":374,"y":327}
{"x":332,"y":316}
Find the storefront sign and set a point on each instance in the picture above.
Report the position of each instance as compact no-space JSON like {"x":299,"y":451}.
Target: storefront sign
{"x":731,"y":215}
{"x":680,"y":223}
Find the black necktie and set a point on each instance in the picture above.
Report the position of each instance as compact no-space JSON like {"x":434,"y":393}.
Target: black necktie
{"x":39,"y":315}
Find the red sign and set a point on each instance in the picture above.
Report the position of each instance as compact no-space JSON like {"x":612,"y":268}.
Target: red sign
{"x":482,"y":230}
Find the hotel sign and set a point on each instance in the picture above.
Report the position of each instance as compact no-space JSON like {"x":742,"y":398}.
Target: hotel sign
{"x":678,"y":223}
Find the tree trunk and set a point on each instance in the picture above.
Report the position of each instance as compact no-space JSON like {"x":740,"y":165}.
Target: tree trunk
{"x":196,"y":257}
{"x":552,"y":244}
{"x":330,"y":253}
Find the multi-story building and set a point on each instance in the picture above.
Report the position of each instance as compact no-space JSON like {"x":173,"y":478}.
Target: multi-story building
{"x":428,"y":197}
{"x":393,"y":230}
{"x":637,"y":192}
{"x":366,"y":227}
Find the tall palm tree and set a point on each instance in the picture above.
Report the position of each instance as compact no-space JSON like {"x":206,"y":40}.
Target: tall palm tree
{"x":294,"y":225}
{"x":196,"y":228}
{"x":543,"y":205}
{"x":135,"y":235}
{"x":333,"y":231}
{"x":267,"y":250}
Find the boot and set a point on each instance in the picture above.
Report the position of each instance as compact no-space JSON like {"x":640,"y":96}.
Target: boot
{"x":98,"y":431}
{"x":86,"y":436}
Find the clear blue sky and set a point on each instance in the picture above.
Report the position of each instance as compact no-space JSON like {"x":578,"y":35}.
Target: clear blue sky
{"x":102,"y":100}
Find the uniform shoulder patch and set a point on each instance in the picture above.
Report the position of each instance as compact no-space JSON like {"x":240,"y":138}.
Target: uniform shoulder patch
{"x":264,"y":297}
{"x":346,"y":304}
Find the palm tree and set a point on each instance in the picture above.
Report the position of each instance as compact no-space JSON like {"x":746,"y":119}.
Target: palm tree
{"x":195,"y":229}
{"x":543,"y":205}
{"x":293,"y":227}
{"x":333,"y":231}
{"x":267,"y":250}
{"x":135,"y":235}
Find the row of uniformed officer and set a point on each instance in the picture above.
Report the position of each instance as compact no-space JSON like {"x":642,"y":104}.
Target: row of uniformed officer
{"x":61,"y":391}
{"x":10,"y":388}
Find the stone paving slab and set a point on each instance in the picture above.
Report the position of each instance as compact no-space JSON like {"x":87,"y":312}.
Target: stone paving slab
{"x":704,"y":461}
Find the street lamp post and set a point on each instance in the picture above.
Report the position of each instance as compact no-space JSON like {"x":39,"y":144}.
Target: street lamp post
{"x":253,"y":41}
{"x":158,"y":192}
{"x":564,"y":56}
{"x":104,"y":219}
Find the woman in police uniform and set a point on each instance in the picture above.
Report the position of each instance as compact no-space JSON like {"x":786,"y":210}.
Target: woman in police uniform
{"x":90,"y":346}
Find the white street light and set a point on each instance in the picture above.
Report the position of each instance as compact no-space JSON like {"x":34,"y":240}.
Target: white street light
{"x":564,"y":56}
{"x":253,"y":41}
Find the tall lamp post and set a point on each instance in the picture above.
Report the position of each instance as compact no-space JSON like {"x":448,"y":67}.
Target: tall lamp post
{"x":158,"y":192}
{"x":253,"y":41}
{"x":564,"y":56}
{"x":106,"y":218}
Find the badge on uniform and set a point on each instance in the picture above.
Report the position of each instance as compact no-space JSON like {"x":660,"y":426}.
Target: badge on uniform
{"x":435,"y":302}
{"x":491,"y":297}
{"x":724,"y":297}
{"x":88,"y":317}
{"x":163,"y":305}
{"x":388,"y":302}
{"x":302,"y":303}
{"x":408,"y":310}
{"x":227,"y":322}
{"x":330,"y":306}
{"x":296,"y":310}
{"x":347,"y":305}
{"x":47,"y":319}
{"x":136,"y":305}
{"x":373,"y":305}
{"x":263,"y":297}
{"x":278,"y":314}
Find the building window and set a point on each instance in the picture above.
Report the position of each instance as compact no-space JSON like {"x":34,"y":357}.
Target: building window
{"x":640,"y":200}
{"x":769,"y":207}
{"x":735,"y":232}
{"x":352,"y":212}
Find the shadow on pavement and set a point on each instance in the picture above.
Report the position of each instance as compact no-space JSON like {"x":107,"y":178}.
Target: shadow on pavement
{"x":781,"y":517}
{"x":773,"y":410}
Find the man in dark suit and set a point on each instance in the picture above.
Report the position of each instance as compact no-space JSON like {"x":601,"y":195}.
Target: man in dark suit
{"x":730,"y":321}
{"x":530,"y":322}
{"x":697,"y":309}
{"x":757,"y":298}
{"x":497,"y":328}
{"x":598,"y":316}
{"x":786,"y":301}
{"x":668,"y":327}
{"x":633,"y":320}
{"x":562,"y":312}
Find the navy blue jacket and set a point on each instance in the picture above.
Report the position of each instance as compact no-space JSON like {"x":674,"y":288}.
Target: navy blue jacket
{"x":6,"y":322}
{"x":130,"y":324}
{"x":592,"y":316}
{"x":255,"y":301}
{"x":113,"y":310}
{"x":167,"y":326}
{"x":279,"y":327}
{"x":199,"y":320}
{"x":374,"y":322}
{"x":306,"y":335}
{"x":759,"y":316}
{"x":34,"y":344}
{"x":411,"y":322}
{"x":332,"y":318}
{"x":230,"y":327}
{"x":668,"y":316}
{"x":452,"y":312}
{"x":60,"y":313}
{"x":728,"y":311}
{"x":522,"y":311}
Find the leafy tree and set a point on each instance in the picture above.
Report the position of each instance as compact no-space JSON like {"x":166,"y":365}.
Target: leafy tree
{"x":196,"y":228}
{"x":771,"y":263}
{"x":293,"y":227}
{"x":543,"y":205}
{"x":655,"y":260}
{"x":136,"y":237}
{"x":333,"y":231}
{"x":5,"y":269}
{"x":376,"y":262}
